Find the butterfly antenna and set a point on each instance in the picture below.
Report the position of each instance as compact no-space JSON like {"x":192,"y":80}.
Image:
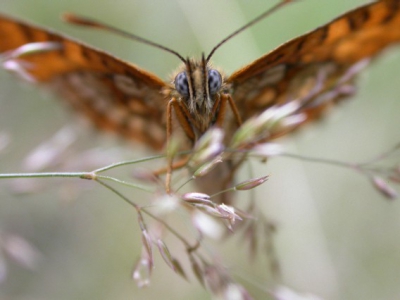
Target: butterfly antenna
{"x":249,"y":24}
{"x":83,"y":21}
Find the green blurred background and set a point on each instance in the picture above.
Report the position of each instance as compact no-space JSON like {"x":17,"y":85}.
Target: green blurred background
{"x":337,"y":237}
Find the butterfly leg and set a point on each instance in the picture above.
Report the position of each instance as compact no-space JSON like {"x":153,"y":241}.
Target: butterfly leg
{"x":234,"y":109}
{"x":184,"y":120}
{"x":221,"y":104}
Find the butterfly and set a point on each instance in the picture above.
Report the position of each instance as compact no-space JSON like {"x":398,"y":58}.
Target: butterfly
{"x":317,"y":69}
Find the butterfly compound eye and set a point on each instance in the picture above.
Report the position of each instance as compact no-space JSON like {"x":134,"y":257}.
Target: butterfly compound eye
{"x":214,"y":81}
{"x":181,"y":84}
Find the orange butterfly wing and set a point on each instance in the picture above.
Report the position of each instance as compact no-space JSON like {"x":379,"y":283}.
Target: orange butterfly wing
{"x":317,"y":68}
{"x":115,"y":95}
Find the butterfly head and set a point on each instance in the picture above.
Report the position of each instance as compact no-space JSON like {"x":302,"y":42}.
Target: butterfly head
{"x":197,"y":85}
